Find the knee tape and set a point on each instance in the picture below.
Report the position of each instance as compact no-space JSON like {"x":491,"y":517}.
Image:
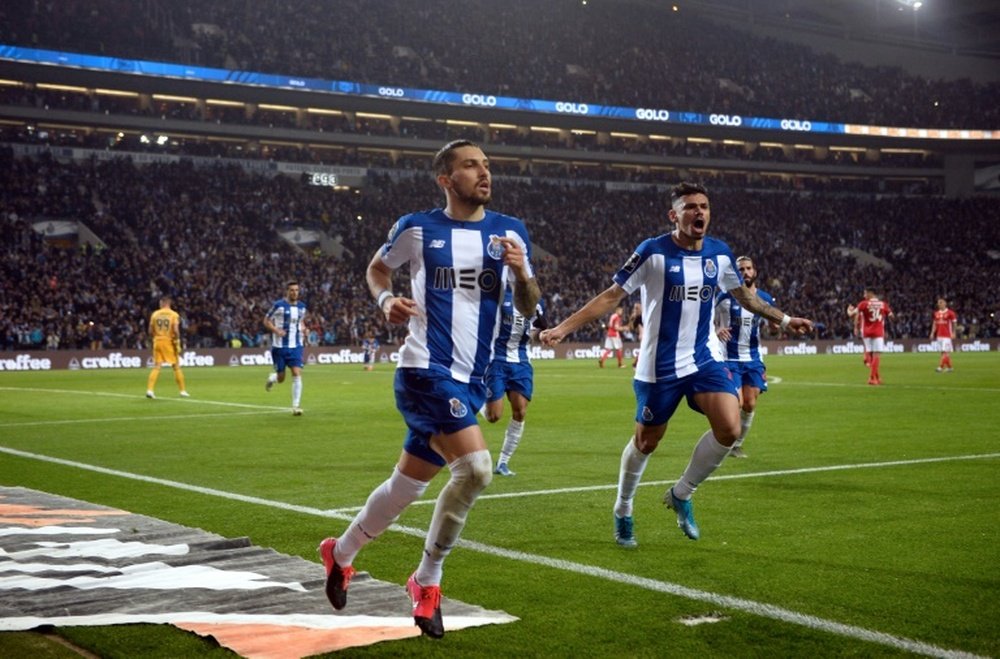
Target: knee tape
{"x":470,"y":474}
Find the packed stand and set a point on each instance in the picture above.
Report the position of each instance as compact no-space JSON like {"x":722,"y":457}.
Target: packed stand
{"x":210,"y":238}
{"x":564,"y":45}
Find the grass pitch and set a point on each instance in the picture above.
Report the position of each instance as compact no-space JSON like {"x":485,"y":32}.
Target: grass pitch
{"x":864,"y":522}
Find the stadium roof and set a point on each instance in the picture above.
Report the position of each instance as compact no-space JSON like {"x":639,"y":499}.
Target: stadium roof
{"x":966,"y":25}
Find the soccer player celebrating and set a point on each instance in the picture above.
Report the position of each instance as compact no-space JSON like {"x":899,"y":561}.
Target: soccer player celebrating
{"x":461,"y":259}
{"x":678,"y":274}
{"x":943,"y":331}
{"x":869,"y":323}
{"x":286,"y":320}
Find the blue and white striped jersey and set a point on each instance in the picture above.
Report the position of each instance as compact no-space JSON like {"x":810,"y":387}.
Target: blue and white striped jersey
{"x":512,"y":340}
{"x":744,"y":326}
{"x":289,"y":317}
{"x":457,"y":278}
{"x":678,"y":289}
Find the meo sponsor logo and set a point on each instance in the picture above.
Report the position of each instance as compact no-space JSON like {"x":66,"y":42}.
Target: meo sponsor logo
{"x":725,"y":120}
{"x":795,"y":124}
{"x":681,"y":293}
{"x":467,"y":278}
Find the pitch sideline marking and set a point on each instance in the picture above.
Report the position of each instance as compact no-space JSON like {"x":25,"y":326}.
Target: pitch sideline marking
{"x":65,"y":422}
{"x":723,"y":477}
{"x":740,"y":604}
{"x":108,"y":394}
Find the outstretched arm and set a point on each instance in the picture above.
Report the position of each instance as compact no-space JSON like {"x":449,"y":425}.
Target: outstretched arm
{"x":750,"y":301}
{"x":598,"y":306}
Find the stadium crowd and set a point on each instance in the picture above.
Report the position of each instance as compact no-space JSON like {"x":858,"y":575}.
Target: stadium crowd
{"x":210,"y":237}
{"x":551,"y":50}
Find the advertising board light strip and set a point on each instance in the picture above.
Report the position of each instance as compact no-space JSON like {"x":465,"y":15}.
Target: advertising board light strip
{"x":652,"y":115}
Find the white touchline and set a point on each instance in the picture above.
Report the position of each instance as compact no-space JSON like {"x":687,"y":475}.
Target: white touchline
{"x":737,"y":603}
{"x":65,"y":422}
{"x":718,"y":477}
{"x":108,"y":394}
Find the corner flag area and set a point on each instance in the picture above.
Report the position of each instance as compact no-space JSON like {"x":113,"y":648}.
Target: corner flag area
{"x":65,"y":562}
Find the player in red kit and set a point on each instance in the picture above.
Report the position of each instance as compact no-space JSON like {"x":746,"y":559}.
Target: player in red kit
{"x":869,"y":322}
{"x":613,"y":341}
{"x":942,"y":332}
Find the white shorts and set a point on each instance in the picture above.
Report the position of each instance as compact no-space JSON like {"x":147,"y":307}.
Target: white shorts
{"x":612,"y":343}
{"x":874,"y":343}
{"x":944,"y":344}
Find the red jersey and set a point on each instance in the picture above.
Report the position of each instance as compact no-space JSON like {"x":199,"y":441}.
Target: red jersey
{"x":944,"y":323}
{"x":614,"y":325}
{"x":873,"y":313}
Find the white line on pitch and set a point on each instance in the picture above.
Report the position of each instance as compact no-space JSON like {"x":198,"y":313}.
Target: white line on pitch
{"x":747,"y":606}
{"x":64,"y":422}
{"x":108,"y":394}
{"x":718,"y":477}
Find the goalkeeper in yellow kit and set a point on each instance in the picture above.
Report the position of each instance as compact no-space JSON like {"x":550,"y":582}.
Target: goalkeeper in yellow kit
{"x":165,"y":328}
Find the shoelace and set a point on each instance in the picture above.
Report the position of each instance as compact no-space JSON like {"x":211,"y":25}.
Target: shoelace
{"x":428,"y":596}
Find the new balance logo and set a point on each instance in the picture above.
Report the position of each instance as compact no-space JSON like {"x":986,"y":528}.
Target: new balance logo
{"x":436,"y":244}
{"x":675,"y":268}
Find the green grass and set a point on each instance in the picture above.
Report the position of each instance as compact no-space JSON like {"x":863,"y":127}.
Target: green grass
{"x":902,"y":539}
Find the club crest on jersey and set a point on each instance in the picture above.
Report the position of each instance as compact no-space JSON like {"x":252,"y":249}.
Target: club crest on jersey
{"x":632,"y":263}
{"x":647,"y":414}
{"x":458,"y":408}
{"x":495,"y":247}
{"x":710,"y":270}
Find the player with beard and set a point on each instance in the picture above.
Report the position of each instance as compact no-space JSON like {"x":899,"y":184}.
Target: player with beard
{"x":460,"y":258}
{"x":739,"y":331}
{"x":678,"y":275}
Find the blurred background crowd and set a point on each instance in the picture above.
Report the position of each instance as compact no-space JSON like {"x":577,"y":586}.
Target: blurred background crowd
{"x":210,"y":236}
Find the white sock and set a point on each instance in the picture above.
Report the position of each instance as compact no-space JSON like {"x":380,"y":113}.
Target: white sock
{"x":511,"y":439}
{"x":746,"y":420}
{"x":273,"y":377}
{"x":632,"y":465}
{"x":470,"y":474}
{"x":296,"y":390}
{"x":383,"y":507}
{"x":708,"y":454}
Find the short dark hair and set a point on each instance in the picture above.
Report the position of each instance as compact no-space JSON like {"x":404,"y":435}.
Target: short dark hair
{"x":291,"y":282}
{"x":685,"y":188}
{"x":446,"y":155}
